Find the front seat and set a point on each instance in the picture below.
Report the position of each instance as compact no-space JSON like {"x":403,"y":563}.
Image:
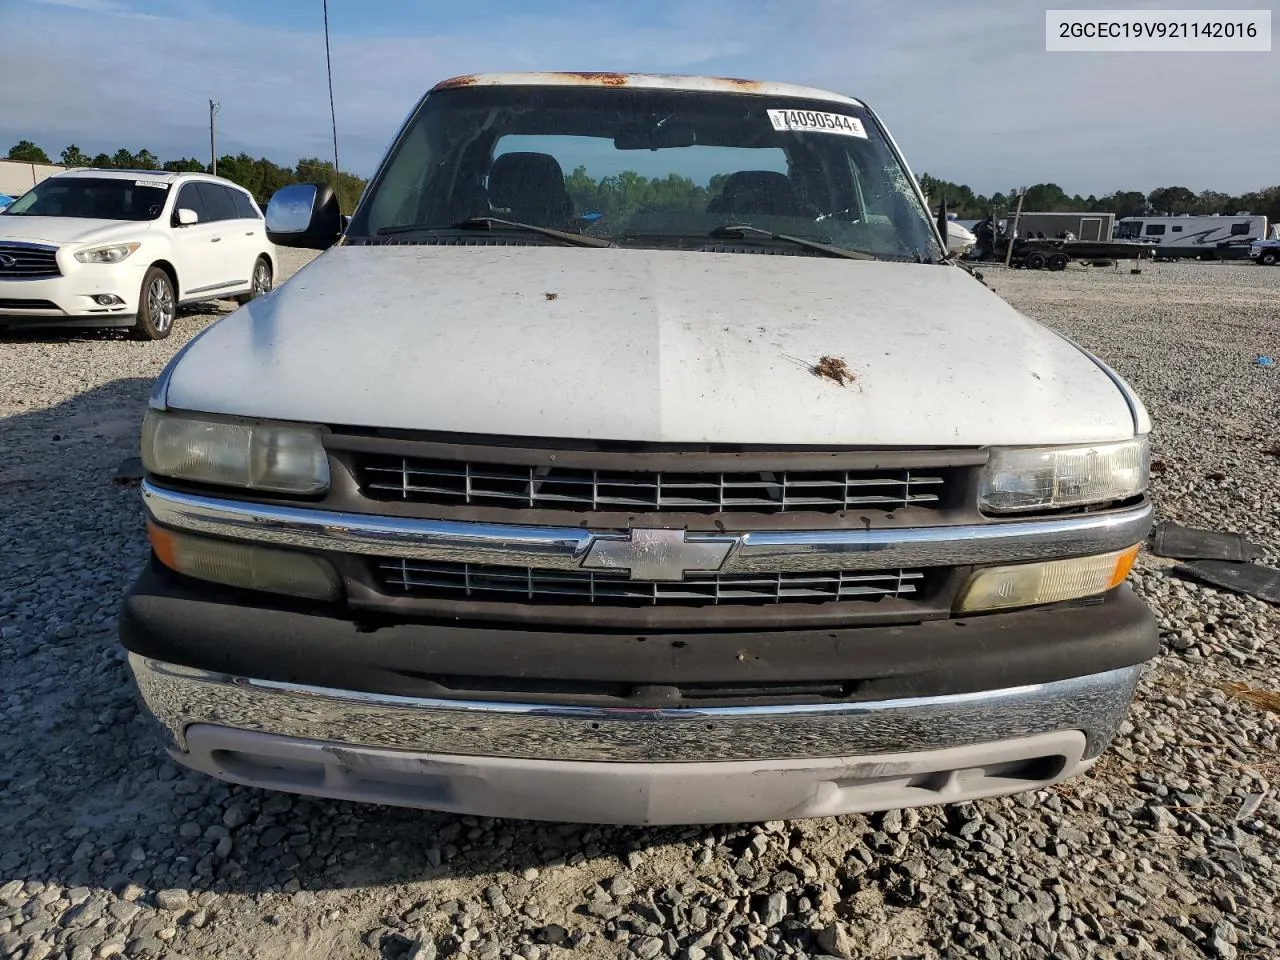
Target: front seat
{"x":529,"y":187}
{"x":748,"y":192}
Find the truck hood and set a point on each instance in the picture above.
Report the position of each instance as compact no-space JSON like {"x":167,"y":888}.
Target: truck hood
{"x":69,"y":229}
{"x":648,"y":345}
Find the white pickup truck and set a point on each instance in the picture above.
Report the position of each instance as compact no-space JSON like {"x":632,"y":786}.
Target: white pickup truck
{"x":577,"y":480}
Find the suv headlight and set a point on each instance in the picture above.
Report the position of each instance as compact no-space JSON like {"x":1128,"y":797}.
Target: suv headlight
{"x":1021,"y":479}
{"x":283,"y":458}
{"x":112,"y":253}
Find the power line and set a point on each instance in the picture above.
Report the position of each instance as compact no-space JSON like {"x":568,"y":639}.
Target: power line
{"x":333,"y":117}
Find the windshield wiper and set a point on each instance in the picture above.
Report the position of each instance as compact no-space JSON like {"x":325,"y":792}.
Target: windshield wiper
{"x":738,"y":229}
{"x":488,"y":223}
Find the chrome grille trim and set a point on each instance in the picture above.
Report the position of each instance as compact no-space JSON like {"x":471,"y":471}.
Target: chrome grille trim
{"x":564,"y":548}
{"x":418,"y":578}
{"x":34,"y":261}
{"x":464,"y":483}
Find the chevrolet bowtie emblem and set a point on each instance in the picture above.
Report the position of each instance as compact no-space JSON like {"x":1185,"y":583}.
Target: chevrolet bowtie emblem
{"x":658,"y":554}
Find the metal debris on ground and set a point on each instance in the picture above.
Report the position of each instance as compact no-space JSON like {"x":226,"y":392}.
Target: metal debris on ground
{"x":1188,"y":543}
{"x":129,"y":472}
{"x":834,"y":369}
{"x":551,"y":296}
{"x":1249,"y":805}
{"x":1250,"y":579}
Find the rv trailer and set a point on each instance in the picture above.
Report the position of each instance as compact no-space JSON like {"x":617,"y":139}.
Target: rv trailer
{"x":1208,"y":238}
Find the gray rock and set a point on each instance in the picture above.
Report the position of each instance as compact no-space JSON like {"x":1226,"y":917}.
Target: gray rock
{"x":835,"y":940}
{"x":604,"y":911}
{"x":172,"y":899}
{"x":620,"y":886}
{"x":123,"y":910}
{"x":423,"y":947}
{"x":552,"y":933}
{"x":775,"y":909}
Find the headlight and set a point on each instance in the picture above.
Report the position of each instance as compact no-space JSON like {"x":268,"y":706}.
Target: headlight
{"x":1017,"y":479}
{"x":109,"y":254}
{"x":245,"y":565}
{"x":284,"y":458}
{"x":1028,"y":584}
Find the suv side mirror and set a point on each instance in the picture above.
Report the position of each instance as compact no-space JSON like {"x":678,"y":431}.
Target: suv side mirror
{"x":304,"y":215}
{"x":187,"y":216}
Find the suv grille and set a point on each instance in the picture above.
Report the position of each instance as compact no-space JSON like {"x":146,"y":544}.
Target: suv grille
{"x":30,"y":262}
{"x":461,"y":483}
{"x":459,"y":581}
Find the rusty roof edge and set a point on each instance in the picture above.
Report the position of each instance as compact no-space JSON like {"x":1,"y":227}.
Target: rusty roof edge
{"x":657,"y":81}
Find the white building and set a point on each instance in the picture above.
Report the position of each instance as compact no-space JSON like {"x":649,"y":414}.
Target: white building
{"x":18,"y":176}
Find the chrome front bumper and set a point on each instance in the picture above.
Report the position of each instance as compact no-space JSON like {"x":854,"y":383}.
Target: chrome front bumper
{"x":181,"y":696}
{"x":633,"y":766}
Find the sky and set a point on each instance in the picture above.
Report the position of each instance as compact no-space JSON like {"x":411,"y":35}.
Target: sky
{"x":967,"y":88}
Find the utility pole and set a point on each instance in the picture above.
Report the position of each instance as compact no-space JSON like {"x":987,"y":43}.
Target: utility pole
{"x":214,"y":107}
{"x":1013,"y":227}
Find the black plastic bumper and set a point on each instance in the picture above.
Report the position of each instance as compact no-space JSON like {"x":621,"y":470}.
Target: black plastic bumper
{"x":199,"y":625}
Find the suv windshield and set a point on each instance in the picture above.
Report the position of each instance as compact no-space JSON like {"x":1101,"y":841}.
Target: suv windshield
{"x":93,"y":198}
{"x":647,"y":167}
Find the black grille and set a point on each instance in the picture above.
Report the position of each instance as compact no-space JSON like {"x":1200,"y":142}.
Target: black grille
{"x":27,"y":262}
{"x":10,"y":303}
{"x":469,"y":581}
{"x":461,"y":483}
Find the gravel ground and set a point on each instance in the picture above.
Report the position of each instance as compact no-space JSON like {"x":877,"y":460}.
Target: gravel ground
{"x":107,"y":848}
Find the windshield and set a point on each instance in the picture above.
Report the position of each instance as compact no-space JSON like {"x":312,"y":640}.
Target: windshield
{"x":647,"y":167}
{"x":93,"y":198}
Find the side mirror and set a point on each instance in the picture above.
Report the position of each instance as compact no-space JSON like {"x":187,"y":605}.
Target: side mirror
{"x":187,"y":216}
{"x":304,"y":215}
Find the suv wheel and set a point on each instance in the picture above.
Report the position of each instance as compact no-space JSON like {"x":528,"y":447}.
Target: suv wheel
{"x":157,"y":306}
{"x":260,"y":285}
{"x":1268,"y":258}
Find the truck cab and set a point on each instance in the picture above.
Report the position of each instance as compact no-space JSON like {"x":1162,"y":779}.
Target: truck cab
{"x":636,"y":454}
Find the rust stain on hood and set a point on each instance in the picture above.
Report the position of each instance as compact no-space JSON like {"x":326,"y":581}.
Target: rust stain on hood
{"x":466,"y":80}
{"x":834,"y":369}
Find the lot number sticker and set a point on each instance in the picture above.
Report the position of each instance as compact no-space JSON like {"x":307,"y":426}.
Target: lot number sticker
{"x":810,"y":121}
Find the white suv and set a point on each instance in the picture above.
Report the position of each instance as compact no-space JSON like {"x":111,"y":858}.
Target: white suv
{"x":124,"y":248}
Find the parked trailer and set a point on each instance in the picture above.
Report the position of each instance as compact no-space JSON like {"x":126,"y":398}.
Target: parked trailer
{"x":1081,"y":226}
{"x":1207,"y":238}
{"x":1056,"y":254}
